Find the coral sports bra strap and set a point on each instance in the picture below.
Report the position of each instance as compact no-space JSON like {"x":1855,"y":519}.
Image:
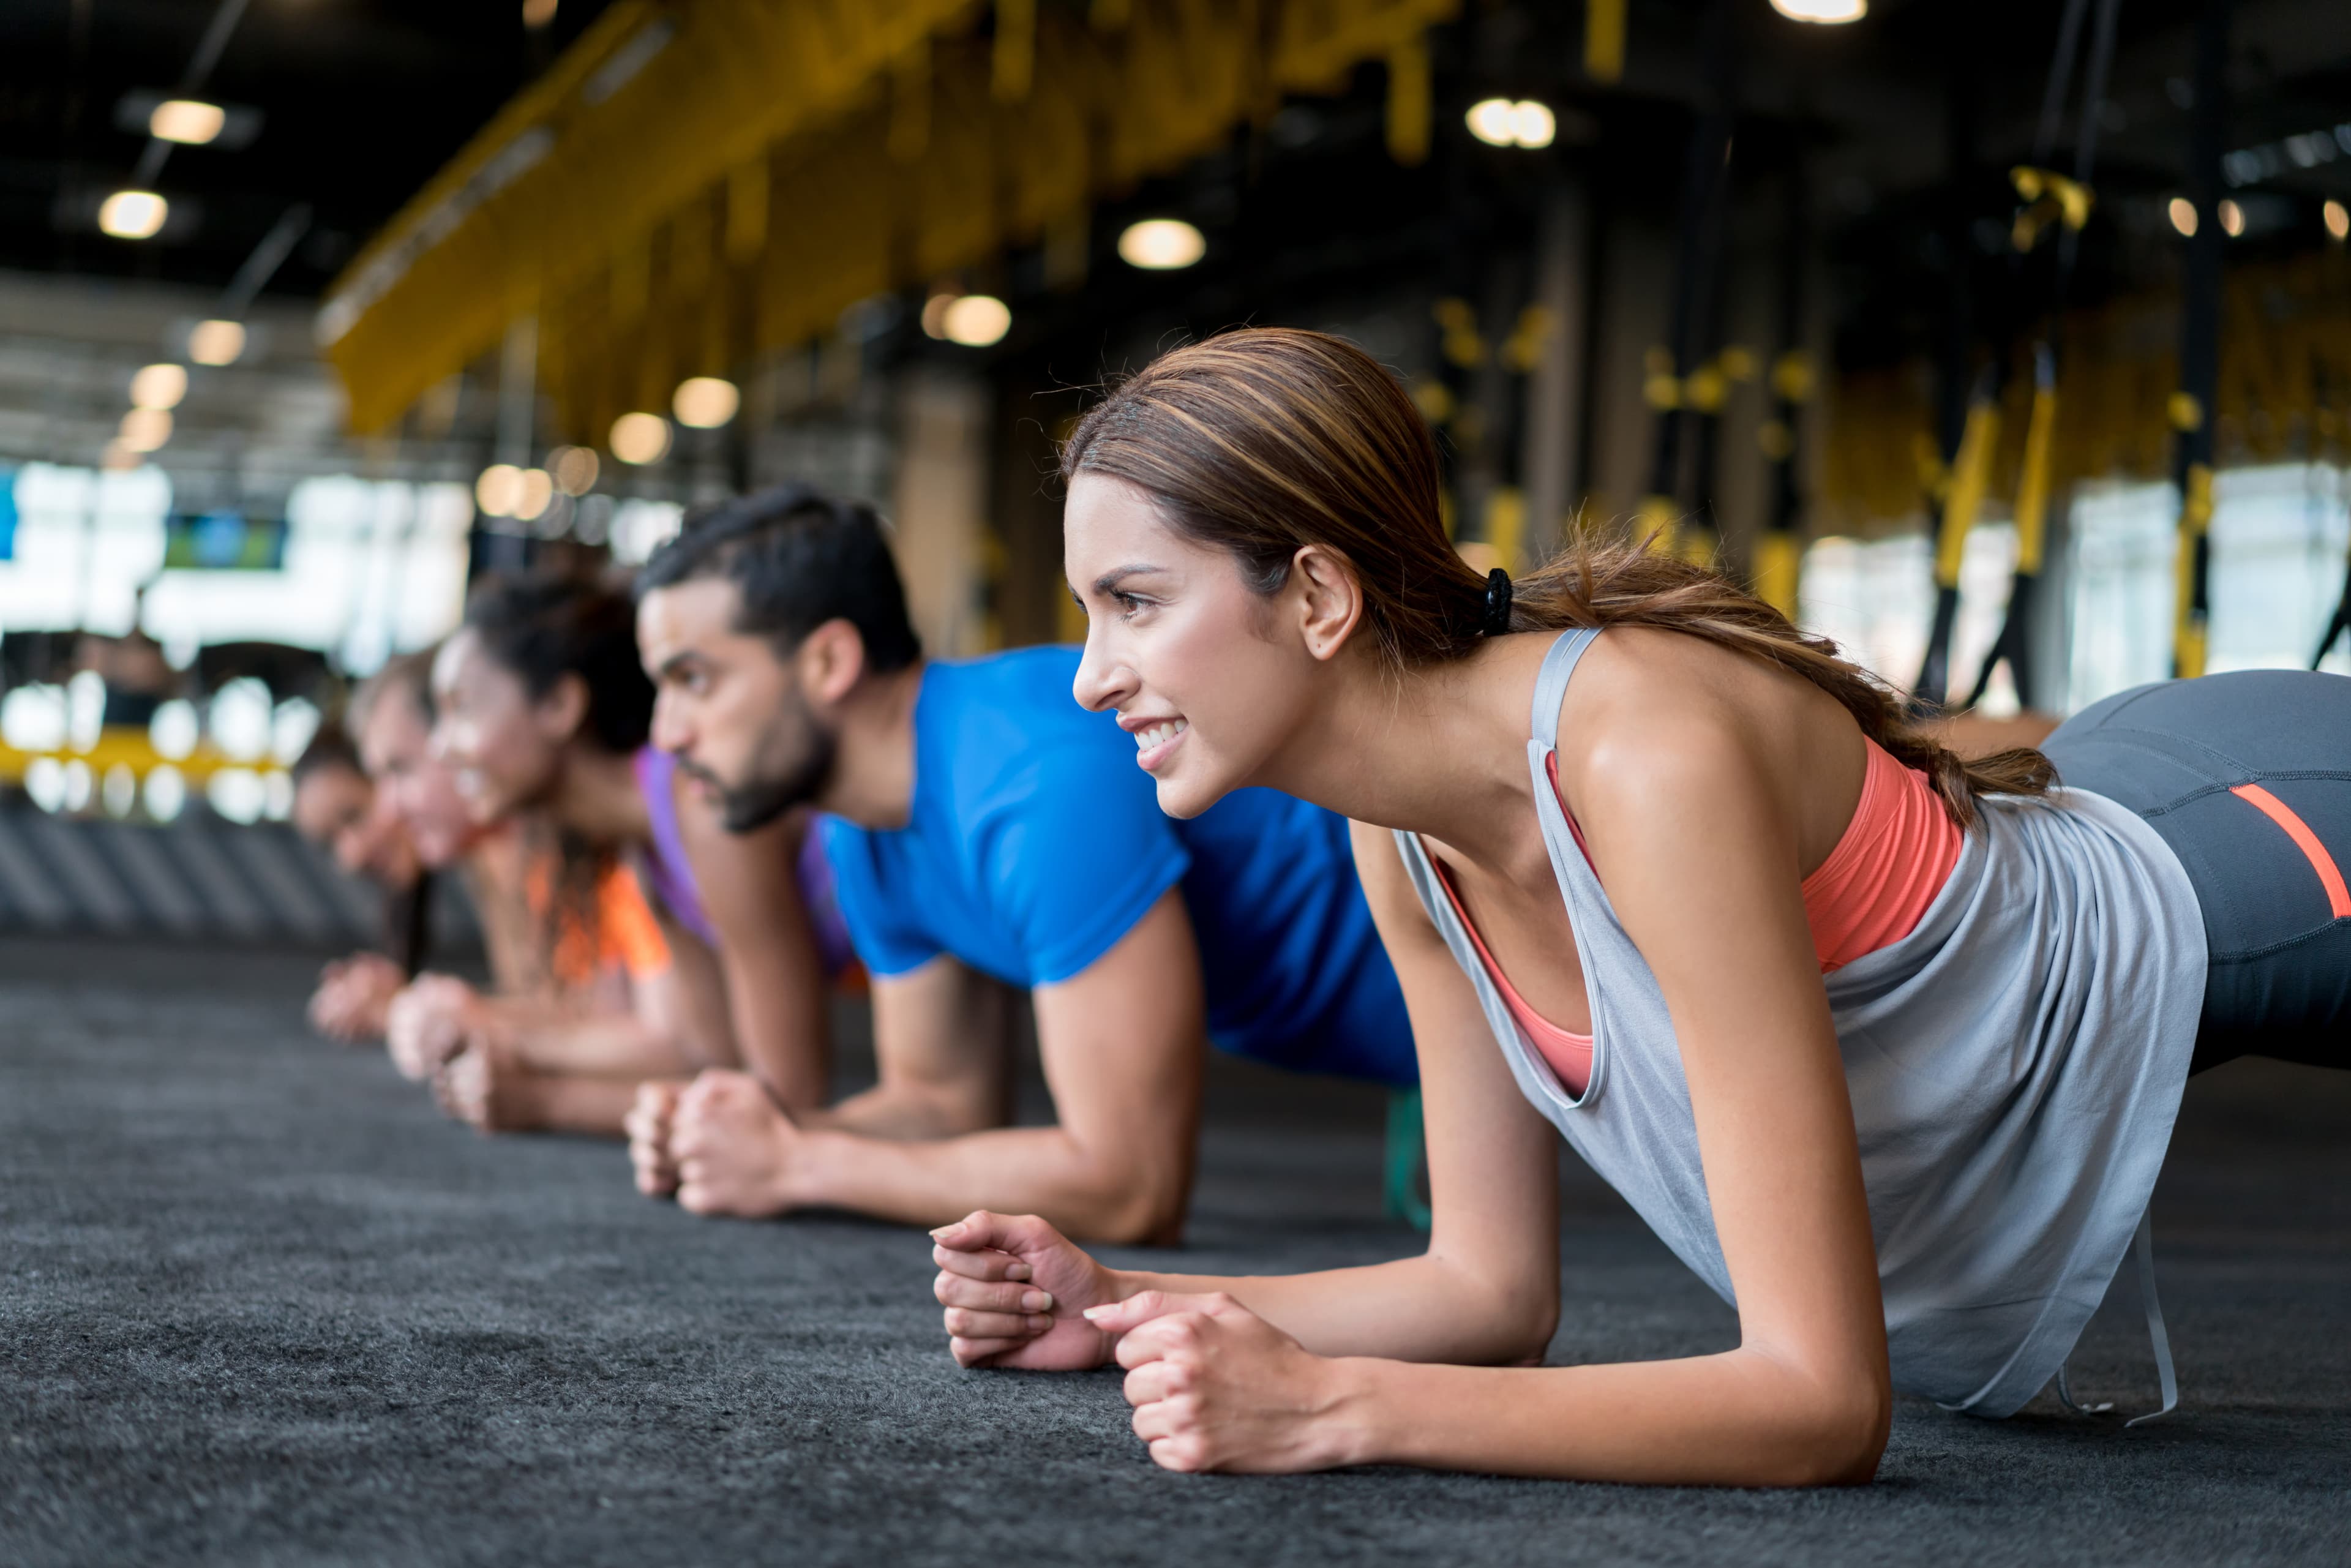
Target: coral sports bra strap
{"x":1551,"y":684}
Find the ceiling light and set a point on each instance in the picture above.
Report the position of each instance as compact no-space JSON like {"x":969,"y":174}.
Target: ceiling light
{"x":2337,"y":219}
{"x":640,"y":438}
{"x":1493,"y":121}
{"x":1161,"y":245}
{"x":2233,"y":218}
{"x":2182,"y":212}
{"x":144,"y":429}
{"x":132,"y":215}
{"x":976,"y":320}
{"x":934,"y":314}
{"x":498,"y":492}
{"x":189,"y":122}
{"x":159,"y":386}
{"x":1828,"y":11}
{"x":704,"y":403}
{"x":575,"y":469}
{"x":534,"y":489}
{"x":216,"y":342}
{"x":1500,"y":122}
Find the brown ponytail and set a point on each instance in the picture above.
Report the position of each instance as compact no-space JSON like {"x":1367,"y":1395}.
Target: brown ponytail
{"x":1262,"y":441}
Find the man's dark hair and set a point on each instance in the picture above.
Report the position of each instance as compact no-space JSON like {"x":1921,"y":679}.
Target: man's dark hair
{"x":798,"y":557}
{"x":543,"y":627}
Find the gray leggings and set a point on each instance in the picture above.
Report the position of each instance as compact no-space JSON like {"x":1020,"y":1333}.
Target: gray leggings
{"x":2248,"y":778}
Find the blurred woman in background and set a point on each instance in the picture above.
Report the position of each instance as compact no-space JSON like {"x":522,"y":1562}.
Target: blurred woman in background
{"x":544,"y":711}
{"x":337,"y":805}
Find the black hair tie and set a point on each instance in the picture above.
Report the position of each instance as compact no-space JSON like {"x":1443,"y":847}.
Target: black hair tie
{"x":1496,"y":619}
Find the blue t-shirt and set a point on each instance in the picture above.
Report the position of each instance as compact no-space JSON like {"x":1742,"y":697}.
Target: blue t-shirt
{"x":1035,"y":842}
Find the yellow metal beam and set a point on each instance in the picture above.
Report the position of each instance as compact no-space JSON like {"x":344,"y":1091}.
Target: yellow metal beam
{"x":598,"y":185}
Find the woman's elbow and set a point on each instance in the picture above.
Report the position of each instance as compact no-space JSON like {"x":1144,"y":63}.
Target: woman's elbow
{"x":1844,"y":1435}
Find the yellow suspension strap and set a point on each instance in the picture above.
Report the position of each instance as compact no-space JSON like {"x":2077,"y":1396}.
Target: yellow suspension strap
{"x":2191,"y":408}
{"x":2014,"y":642}
{"x":1970,"y":476}
{"x":2047,"y":200}
{"x":1653,"y":522}
{"x":1779,"y":549}
{"x":2191,"y":634}
{"x":1685,"y":383}
{"x":1603,"y":40}
{"x":1447,"y":400}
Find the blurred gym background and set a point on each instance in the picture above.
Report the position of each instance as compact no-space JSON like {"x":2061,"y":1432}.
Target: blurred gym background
{"x":2006,"y":342}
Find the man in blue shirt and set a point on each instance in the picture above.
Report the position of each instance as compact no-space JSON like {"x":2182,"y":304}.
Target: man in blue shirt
{"x":988,"y":835}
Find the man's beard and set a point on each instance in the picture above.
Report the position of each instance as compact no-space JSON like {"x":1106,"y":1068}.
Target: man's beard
{"x":792,"y":764}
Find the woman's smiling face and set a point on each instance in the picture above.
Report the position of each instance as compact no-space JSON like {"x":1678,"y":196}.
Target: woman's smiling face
{"x":1201,"y":671}
{"x":492,"y":738}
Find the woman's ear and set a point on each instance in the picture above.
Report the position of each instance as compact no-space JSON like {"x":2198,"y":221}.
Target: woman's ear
{"x":1330,"y":596}
{"x":560,"y":713}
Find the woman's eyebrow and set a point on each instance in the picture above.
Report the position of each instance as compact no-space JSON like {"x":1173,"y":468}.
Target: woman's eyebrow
{"x":1109,"y":580}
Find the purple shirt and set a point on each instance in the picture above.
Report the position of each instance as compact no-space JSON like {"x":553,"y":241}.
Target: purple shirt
{"x":670,"y":874}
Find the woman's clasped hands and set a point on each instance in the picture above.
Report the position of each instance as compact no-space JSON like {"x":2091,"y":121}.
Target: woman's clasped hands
{"x":1214,"y":1385}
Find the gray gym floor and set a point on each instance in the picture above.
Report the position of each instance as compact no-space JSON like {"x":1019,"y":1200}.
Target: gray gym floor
{"x":260,"y":1304}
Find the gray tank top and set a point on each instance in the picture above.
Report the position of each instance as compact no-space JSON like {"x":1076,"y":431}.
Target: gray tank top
{"x":2015,"y":1064}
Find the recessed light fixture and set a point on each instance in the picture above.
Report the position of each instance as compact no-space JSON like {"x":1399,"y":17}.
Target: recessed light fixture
{"x":2337,"y":219}
{"x":1828,"y":12}
{"x":132,"y":215}
{"x":1500,"y":123}
{"x":976,"y":320}
{"x":216,"y":342}
{"x":144,"y":430}
{"x":189,"y":122}
{"x":575,"y":469}
{"x":1161,"y":245}
{"x":535,"y":489}
{"x":2182,"y":212}
{"x":2233,"y":218}
{"x":640,"y":437}
{"x":499,"y":491}
{"x":159,"y":386}
{"x":704,"y":403}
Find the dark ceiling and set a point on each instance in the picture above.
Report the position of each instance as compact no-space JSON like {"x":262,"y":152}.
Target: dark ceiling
{"x":361,"y":100}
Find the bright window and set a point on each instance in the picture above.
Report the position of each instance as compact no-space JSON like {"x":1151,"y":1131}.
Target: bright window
{"x":369,"y":566}
{"x":1875,"y":598}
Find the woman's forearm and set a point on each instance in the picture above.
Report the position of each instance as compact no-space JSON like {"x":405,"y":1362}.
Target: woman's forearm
{"x":563,"y":1103}
{"x":1414,"y":1309}
{"x":608,"y":1045}
{"x":1740,"y":1418}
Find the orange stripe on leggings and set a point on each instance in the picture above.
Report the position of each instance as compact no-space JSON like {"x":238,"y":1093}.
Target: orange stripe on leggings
{"x":2339,"y":897}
